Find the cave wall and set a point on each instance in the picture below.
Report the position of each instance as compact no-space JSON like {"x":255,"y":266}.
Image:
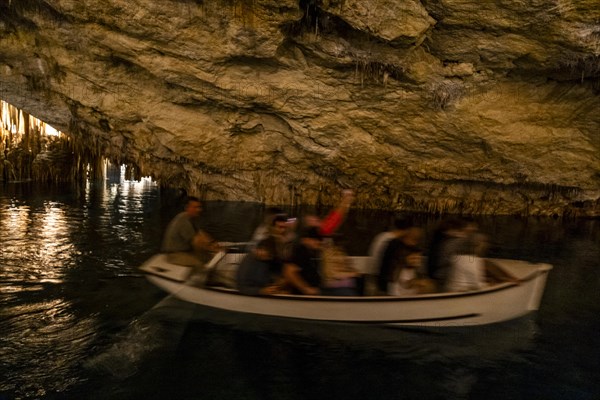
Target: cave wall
{"x":439,"y":105}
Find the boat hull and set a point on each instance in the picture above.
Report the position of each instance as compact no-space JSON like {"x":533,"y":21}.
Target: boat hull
{"x":497,"y":303}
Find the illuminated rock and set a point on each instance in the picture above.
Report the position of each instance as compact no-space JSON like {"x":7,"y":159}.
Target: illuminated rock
{"x":460,"y":106}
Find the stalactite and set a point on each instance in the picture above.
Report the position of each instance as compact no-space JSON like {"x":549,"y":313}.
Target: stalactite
{"x":32,"y":150}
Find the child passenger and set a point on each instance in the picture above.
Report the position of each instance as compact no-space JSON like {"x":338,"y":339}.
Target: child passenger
{"x":406,"y":275}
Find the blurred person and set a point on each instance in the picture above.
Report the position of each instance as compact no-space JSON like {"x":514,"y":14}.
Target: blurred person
{"x":467,"y":266}
{"x":282,"y":232}
{"x":393,"y":252}
{"x":183,"y":243}
{"x":407,"y":278}
{"x":328,"y":225}
{"x":262,"y":231}
{"x":302,"y":271}
{"x":445,"y":242}
{"x":382,"y":240}
{"x":259,"y":273}
{"x":339,"y":278}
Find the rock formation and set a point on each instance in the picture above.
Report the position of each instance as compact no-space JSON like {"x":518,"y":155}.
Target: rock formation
{"x":434,"y":105}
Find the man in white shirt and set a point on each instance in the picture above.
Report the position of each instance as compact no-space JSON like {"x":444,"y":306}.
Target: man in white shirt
{"x":381,"y":241}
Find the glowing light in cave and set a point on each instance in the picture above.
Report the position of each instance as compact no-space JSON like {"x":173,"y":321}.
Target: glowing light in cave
{"x":12,"y":121}
{"x":52,"y":155}
{"x":142,"y":180}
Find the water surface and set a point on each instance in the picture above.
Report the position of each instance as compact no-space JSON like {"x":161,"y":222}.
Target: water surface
{"x":78,"y":321}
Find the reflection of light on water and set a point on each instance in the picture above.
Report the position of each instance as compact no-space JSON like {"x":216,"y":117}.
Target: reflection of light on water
{"x":37,"y":250}
{"x":55,"y":258}
{"x":128,"y":201}
{"x":53,"y":221}
{"x":122,"y":200}
{"x":14,"y":223}
{"x":36,"y":243}
{"x":120,"y":187}
{"x":56,"y":249}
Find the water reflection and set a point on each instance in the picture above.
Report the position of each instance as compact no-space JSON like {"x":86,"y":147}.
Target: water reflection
{"x":35,"y":243}
{"x":15,"y":220}
{"x":42,"y":340}
{"x":197,"y":349}
{"x":57,"y":248}
{"x":74,"y":317}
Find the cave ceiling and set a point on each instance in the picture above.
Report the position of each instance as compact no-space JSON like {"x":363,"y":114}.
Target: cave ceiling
{"x":440,"y":105}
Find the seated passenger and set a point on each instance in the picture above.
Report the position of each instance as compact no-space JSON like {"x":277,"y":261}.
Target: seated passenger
{"x":259,"y":272}
{"x":262,"y":231}
{"x":447,"y":239}
{"x":393,"y":254}
{"x":185,"y":244}
{"x":406,"y":278}
{"x":379,"y":245}
{"x":282,"y":232}
{"x":338,"y":276}
{"x":467,"y":268}
{"x":301,"y":271}
{"x":382,"y":240}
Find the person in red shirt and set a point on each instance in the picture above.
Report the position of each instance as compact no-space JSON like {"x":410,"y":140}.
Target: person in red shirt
{"x":332,"y":221}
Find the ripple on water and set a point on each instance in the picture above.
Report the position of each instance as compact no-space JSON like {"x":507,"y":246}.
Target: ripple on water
{"x":70,"y":292}
{"x":44,"y":343}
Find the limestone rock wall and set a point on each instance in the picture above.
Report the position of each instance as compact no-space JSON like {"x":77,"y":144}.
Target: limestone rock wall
{"x":437,"y":105}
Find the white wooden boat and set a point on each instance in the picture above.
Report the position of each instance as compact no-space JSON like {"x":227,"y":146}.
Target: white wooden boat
{"x":493,"y":304}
